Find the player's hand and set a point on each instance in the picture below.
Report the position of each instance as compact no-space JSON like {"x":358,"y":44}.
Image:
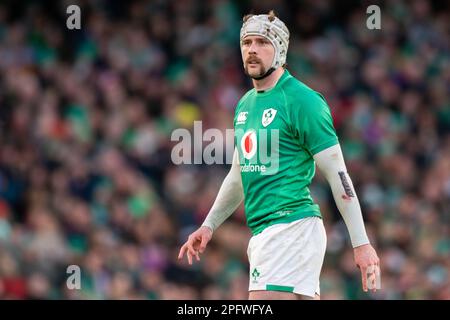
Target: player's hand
{"x":367,"y":261}
{"x":196,"y":244}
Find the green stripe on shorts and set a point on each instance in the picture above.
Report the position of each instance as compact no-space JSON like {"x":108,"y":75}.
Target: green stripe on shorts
{"x":271,"y":287}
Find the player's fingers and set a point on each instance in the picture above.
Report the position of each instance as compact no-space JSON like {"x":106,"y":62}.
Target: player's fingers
{"x":186,"y":248}
{"x":203,"y":244}
{"x":197,"y":255}
{"x":377,"y":277}
{"x":364,"y":278}
{"x":191,"y":252}
{"x":191,"y":249}
{"x":374,"y":282}
{"x":182,"y":251}
{"x":372,"y":277}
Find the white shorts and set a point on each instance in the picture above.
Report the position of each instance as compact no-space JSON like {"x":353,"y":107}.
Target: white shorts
{"x":288,"y":257}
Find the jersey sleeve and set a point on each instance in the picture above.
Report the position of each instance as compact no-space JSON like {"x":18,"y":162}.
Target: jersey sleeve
{"x":313,"y":123}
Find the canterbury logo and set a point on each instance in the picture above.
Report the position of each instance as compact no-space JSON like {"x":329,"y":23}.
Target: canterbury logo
{"x":242,"y":117}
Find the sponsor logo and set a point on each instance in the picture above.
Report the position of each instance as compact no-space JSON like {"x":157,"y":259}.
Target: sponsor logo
{"x":283,"y":212}
{"x":253,"y":168}
{"x":249,"y":144}
{"x":242,"y":117}
{"x":258,"y":150}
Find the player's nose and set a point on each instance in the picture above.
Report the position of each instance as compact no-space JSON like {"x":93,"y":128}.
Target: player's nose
{"x":251,"y":48}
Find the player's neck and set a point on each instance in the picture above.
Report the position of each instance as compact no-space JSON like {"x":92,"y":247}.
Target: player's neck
{"x":268,"y":82}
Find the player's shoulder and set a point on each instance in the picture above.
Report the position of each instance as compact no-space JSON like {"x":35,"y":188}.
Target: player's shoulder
{"x":300,"y":95}
{"x":295,"y":89}
{"x":244,"y":99}
{"x":246,"y":95}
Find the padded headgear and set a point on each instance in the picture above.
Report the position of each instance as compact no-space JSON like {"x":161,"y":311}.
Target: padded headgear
{"x":275,"y":31}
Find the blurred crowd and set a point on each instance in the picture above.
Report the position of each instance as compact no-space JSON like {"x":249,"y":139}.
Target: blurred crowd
{"x":86,"y":117}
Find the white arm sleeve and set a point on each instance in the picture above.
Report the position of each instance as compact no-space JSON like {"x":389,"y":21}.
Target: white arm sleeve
{"x":331,"y":163}
{"x":229,"y":197}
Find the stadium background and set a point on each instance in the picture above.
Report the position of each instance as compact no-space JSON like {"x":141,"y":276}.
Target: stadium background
{"x":86,"y":118}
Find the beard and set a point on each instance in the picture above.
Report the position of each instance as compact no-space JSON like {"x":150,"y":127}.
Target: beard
{"x":254,"y":72}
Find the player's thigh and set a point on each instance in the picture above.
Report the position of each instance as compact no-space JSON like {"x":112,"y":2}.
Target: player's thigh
{"x":272,"y":295}
{"x":278,"y":295}
{"x":303,"y":297}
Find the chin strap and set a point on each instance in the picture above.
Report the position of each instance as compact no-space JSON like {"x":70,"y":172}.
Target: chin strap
{"x":268,"y":73}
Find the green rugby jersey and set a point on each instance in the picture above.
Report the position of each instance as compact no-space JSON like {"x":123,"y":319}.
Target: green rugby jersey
{"x":276,"y":134}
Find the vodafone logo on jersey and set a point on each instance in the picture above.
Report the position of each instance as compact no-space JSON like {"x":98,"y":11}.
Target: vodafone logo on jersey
{"x":249,"y":144}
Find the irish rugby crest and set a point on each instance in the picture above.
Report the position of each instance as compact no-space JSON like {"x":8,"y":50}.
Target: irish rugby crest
{"x":268,"y":116}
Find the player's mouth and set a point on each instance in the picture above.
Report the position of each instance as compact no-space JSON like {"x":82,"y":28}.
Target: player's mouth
{"x":253,"y":62}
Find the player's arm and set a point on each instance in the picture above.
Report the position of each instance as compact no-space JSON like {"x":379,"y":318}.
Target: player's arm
{"x":228,"y":199}
{"x":331,"y":163}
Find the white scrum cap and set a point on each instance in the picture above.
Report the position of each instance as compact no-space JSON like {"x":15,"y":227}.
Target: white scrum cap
{"x":275,"y":31}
